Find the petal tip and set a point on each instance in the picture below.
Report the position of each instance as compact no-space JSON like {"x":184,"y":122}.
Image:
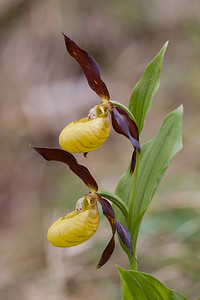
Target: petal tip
{"x":89,"y":67}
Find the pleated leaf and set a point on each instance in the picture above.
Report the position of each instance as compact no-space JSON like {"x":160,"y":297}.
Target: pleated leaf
{"x":146,"y":88}
{"x":137,"y":285}
{"x":156,"y":156}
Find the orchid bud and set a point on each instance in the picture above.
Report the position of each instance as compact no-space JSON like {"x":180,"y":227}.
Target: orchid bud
{"x":87,"y":134}
{"x":78,"y":226}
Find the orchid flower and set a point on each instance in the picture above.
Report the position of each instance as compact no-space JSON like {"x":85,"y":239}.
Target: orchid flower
{"x":91,"y":132}
{"x":79,"y":226}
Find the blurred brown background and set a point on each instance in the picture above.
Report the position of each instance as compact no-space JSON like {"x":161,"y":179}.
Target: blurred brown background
{"x":42,"y":90}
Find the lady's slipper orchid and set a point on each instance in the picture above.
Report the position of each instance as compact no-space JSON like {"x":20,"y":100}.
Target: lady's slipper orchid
{"x":90,"y":133}
{"x":79,"y":226}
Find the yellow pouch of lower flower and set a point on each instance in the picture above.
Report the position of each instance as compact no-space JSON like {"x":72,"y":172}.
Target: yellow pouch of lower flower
{"x":75,"y":228}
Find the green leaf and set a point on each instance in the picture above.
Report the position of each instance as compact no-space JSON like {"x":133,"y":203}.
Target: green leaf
{"x":123,"y":186}
{"x":156,"y":156}
{"x":123,"y":191}
{"x":137,"y":285}
{"x":136,"y":228}
{"x":146,"y":88}
{"x":139,"y":105}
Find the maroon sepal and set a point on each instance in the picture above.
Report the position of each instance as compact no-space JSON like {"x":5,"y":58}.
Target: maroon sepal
{"x":107,"y":253}
{"x":110,"y":215}
{"x":121,"y":230}
{"x":133,"y":161}
{"x":89,"y":66}
{"x":123,"y":124}
{"x":70,"y":160}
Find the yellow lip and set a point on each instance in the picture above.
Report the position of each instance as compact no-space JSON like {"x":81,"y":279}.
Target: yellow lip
{"x":85,"y":135}
{"x":75,"y":228}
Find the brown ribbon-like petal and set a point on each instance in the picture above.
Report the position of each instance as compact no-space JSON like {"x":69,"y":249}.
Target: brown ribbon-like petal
{"x":133,"y":161}
{"x":110,"y":215}
{"x":69,"y":159}
{"x":89,"y":66}
{"x":121,"y":230}
{"x":123,"y":124}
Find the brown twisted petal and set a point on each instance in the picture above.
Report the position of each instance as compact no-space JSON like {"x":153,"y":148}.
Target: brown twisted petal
{"x":121,"y":230}
{"x":123,"y":124}
{"x":89,"y":67}
{"x":67,"y":158}
{"x":133,"y":161}
{"x":109,"y":213}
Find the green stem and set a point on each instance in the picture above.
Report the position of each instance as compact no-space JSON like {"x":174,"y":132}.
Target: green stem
{"x":117,"y":200}
{"x":133,"y":263}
